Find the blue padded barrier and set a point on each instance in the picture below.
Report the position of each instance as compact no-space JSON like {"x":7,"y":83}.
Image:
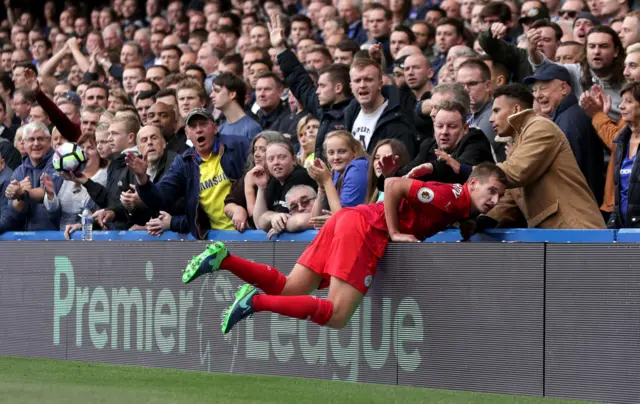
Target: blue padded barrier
{"x":494,"y":235}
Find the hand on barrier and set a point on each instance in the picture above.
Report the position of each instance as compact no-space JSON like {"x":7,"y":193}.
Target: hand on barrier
{"x":70,"y":228}
{"x":279,"y":222}
{"x":157,"y":226}
{"x":467,"y":229}
{"x":420,"y":171}
{"x":239,"y":219}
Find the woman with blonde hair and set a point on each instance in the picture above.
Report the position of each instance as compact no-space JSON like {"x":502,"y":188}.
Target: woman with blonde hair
{"x":307,"y":132}
{"x":346,"y":183}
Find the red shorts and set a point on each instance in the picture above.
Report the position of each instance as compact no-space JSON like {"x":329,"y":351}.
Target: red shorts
{"x":347,"y":248}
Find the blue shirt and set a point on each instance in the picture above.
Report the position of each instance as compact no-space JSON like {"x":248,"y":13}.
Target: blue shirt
{"x":625,"y":176}
{"x":245,"y":126}
{"x":354,"y":184}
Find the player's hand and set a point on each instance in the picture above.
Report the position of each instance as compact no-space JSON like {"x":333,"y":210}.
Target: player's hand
{"x":276,"y":32}
{"x":404,"y":238}
{"x":388,"y":165}
{"x":104,"y":217}
{"x":498,"y":30}
{"x":279,"y":222}
{"x":319,"y":172}
{"x":239,"y":219}
{"x":318,"y":221}
{"x":157,"y":226}
{"x":451,"y":162}
{"x":260,"y":176}
{"x":467,"y":229}
{"x":70,"y":228}
{"x":47,"y":184}
{"x":420,"y":171}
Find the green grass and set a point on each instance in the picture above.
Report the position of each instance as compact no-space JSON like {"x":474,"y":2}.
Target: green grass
{"x":55,"y":381}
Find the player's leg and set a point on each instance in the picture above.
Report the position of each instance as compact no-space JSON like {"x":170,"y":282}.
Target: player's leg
{"x":216,"y":257}
{"x":301,"y":281}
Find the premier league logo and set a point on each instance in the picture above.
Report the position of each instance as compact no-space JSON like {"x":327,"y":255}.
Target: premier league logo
{"x":216,"y":293}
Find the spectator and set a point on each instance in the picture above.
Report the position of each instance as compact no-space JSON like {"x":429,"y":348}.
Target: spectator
{"x":307,"y":137}
{"x":596,"y":104}
{"x":158,"y":74}
{"x":131,"y":210}
{"x":475,"y":75}
{"x":569,"y":52}
{"x":122,"y":135}
{"x":103,"y":146}
{"x":269,"y":88}
{"x":5,"y":179}
{"x":450,"y":32}
{"x":300,"y":199}
{"x":546,"y":187}
{"x":271,"y":209}
{"x":388,"y":149}
{"x":132,"y":74}
{"x":192,"y":176}
{"x":228,"y":96}
{"x":11,"y":155}
{"x":630,"y":33}
{"x":96,"y":94}
{"x":21,"y":104}
{"x":190,"y":95}
{"x":556,"y":101}
{"x":346,"y":183}
{"x":73,"y":198}
{"x":163,"y":117}
{"x":604,"y":64}
{"x":379,"y":26}
{"x":117,"y":99}
{"x":625,"y":212}
{"x":239,"y":205}
{"x":27,"y":213}
{"x":144,"y":101}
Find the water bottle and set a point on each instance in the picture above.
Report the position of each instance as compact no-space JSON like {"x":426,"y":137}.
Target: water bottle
{"x":87,"y":225}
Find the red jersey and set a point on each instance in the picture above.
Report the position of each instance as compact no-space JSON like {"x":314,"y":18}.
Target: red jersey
{"x":428,"y":209}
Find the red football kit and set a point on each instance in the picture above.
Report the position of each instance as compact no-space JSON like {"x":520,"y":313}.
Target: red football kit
{"x":351,"y":243}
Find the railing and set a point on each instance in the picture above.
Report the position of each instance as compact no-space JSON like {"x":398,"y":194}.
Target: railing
{"x":494,"y":235}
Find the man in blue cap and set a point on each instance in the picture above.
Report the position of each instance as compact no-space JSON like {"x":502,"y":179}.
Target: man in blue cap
{"x":556,"y":100}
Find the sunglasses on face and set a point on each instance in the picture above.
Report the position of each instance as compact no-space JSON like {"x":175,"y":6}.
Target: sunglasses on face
{"x":568,"y":13}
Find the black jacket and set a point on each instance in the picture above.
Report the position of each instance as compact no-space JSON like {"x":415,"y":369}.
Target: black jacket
{"x":108,"y":196}
{"x":10,"y":154}
{"x":178,"y":142}
{"x":396,"y":121}
{"x":300,"y":84}
{"x":142,"y":215}
{"x":474,"y":148}
{"x":584,"y":142}
{"x":276,"y":120}
{"x":630,"y":218}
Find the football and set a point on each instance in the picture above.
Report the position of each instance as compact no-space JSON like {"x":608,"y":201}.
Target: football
{"x":70,"y":158}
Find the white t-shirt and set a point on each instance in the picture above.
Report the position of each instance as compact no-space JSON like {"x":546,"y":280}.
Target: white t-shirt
{"x":365,"y":124}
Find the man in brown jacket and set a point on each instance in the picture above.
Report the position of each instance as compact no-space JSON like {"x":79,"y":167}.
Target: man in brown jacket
{"x":546,"y":187}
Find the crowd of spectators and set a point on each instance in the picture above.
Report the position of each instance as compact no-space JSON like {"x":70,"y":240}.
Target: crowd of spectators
{"x":275,"y":114}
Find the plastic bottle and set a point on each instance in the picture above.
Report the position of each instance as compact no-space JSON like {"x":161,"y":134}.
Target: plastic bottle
{"x":87,"y":225}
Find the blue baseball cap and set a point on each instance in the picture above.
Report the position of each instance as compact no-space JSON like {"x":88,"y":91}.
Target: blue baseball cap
{"x":548,"y":72}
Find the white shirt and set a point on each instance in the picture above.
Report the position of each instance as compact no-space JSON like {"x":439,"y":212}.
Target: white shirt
{"x":365,"y":124}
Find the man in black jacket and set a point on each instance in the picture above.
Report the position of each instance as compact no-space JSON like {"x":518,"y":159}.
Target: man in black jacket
{"x":326,"y":102}
{"x":373,"y":115}
{"x":454,"y":137}
{"x":122,"y":136}
{"x":130,"y":209}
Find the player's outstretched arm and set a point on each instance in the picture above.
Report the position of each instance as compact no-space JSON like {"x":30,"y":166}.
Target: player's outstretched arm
{"x":395,"y":189}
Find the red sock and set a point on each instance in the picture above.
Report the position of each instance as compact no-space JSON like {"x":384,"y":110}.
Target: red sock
{"x":263,"y":276}
{"x":303,"y":307}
